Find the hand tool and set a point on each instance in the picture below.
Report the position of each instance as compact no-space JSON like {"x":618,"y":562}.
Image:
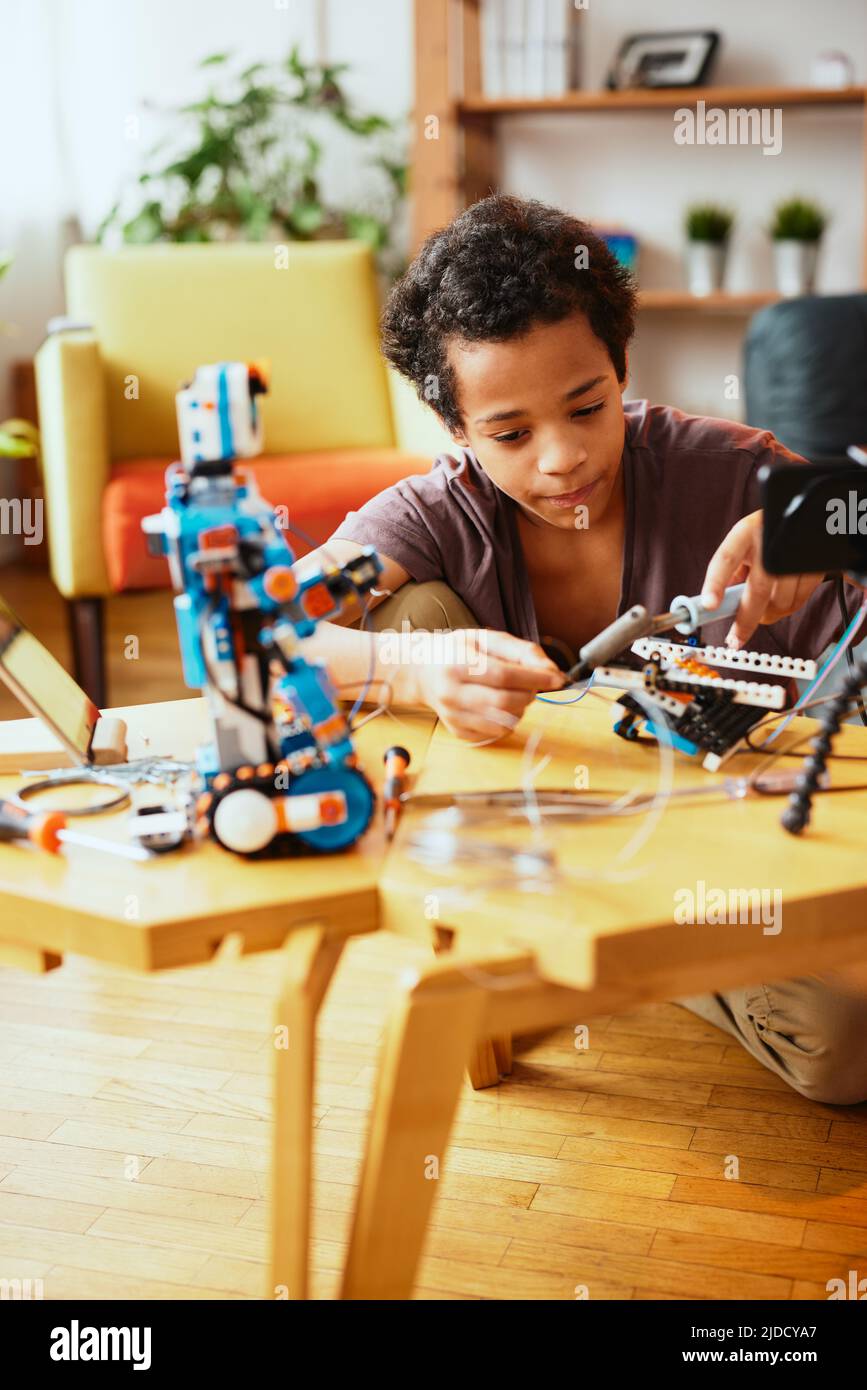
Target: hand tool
{"x":48,"y":831}
{"x":396,"y":761}
{"x":685,"y":615}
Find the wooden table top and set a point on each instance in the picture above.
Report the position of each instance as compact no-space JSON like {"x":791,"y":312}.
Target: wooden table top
{"x":176,"y":908}
{"x":608,"y":913}
{"x":614,"y":918}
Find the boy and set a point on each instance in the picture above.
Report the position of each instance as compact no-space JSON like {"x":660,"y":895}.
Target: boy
{"x":561,"y":508}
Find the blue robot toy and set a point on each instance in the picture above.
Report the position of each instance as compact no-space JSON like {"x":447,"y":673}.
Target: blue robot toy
{"x":279,"y":772}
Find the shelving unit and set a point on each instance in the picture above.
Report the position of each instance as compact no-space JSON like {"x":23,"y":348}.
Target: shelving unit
{"x":458,"y":164}
{"x":662,"y":98}
{"x":681,"y":301}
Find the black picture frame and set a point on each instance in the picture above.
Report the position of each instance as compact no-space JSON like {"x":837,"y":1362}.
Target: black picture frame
{"x":665,"y":58}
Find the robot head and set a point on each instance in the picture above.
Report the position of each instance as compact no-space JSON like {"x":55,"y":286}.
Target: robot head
{"x":218,"y":415}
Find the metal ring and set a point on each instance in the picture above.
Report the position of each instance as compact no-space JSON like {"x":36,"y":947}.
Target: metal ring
{"x":47,"y":783}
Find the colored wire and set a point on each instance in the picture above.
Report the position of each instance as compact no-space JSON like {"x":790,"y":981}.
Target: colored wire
{"x":547,"y":699}
{"x":850,"y":658}
{"x":842,"y":646}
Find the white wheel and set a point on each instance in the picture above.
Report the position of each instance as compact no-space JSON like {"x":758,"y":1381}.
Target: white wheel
{"x":246,"y":821}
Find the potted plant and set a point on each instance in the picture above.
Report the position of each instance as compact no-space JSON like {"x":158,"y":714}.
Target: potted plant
{"x":796,"y":230}
{"x":245,"y":162}
{"x":707,"y":233}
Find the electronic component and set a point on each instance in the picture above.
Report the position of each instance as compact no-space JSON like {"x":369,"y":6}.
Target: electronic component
{"x":760,"y":662}
{"x":675,"y":678}
{"x":708,"y":698}
{"x":707,"y":713}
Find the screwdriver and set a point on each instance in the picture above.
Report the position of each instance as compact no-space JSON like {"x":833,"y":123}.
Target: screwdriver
{"x":396,"y":761}
{"x":48,"y":831}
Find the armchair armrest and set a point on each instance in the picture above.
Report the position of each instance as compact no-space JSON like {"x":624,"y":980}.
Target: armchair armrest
{"x":417,"y":429}
{"x":75,"y":459}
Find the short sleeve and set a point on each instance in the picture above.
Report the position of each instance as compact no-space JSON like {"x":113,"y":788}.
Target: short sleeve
{"x":399,"y":522}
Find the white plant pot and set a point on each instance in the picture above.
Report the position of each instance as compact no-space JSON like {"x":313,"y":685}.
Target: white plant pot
{"x":705,"y":266}
{"x":795,"y":266}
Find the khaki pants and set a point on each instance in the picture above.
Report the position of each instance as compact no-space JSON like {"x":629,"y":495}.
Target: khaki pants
{"x":812,"y":1032}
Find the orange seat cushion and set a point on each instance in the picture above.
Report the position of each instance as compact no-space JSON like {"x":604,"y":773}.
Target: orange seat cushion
{"x":316,"y":489}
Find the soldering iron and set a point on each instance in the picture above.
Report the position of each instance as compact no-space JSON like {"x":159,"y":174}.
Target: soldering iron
{"x":686,"y":615}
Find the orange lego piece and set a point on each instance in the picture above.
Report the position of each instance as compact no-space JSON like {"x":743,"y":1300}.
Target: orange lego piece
{"x":317,"y":601}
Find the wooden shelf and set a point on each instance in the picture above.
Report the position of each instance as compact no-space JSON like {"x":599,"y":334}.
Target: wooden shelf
{"x":719,"y":303}
{"x":664,"y":98}
{"x":461,"y":161}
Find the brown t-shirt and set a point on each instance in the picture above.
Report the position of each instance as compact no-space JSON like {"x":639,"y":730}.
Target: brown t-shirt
{"x":687,"y":480}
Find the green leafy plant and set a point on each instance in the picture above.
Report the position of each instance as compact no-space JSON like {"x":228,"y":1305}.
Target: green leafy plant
{"x":707,"y":222}
{"x":18,"y":438}
{"x":797,"y":219}
{"x":246,"y":162}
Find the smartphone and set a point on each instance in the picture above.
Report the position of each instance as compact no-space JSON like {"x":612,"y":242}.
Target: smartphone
{"x":815,"y":517}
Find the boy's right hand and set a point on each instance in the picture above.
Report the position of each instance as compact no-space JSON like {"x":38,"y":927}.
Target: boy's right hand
{"x":483,"y":694}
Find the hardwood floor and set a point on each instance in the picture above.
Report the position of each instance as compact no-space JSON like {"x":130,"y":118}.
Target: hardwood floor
{"x":134,"y":1121}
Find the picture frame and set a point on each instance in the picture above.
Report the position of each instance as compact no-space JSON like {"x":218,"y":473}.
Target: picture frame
{"x":667,"y":58}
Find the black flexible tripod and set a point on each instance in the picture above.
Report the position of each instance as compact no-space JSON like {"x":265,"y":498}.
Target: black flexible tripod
{"x":797,"y":813}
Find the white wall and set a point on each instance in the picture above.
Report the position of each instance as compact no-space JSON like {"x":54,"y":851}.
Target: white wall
{"x":111,"y":55}
{"x":625,"y":168}
{"x":81,"y":68}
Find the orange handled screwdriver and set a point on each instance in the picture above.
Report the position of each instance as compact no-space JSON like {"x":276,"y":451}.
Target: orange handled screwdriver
{"x":48,"y":831}
{"x":396,"y":763}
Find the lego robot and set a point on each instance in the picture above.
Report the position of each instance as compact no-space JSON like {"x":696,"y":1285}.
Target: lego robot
{"x":279,"y":771}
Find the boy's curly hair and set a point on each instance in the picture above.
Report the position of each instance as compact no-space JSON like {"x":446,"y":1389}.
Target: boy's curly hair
{"x":498,"y":269}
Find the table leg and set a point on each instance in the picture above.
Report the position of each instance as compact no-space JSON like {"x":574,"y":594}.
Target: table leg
{"x":22,"y":957}
{"x":503,"y":1053}
{"x":428,"y":1041}
{"x":482,"y":1065}
{"x":310,"y":956}
{"x":491,"y":1057}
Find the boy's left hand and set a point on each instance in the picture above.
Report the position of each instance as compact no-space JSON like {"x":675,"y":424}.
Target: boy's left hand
{"x":767,"y":597}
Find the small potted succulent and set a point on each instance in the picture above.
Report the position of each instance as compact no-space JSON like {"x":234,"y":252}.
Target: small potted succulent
{"x":707,"y":233}
{"x":796,"y":231}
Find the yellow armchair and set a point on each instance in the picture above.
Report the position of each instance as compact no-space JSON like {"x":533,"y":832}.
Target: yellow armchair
{"x":338,"y":425}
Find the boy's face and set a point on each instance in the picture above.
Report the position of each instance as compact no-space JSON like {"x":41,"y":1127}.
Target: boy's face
{"x":544,"y":417}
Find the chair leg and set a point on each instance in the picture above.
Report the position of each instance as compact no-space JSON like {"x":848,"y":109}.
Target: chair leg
{"x":87,"y":629}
